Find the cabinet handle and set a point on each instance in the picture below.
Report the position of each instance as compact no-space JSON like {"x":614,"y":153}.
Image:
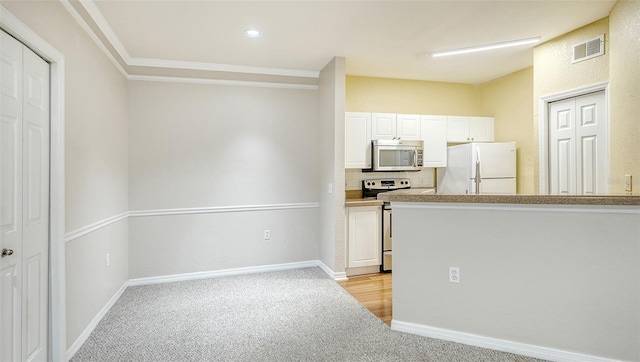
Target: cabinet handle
{"x":7,"y":252}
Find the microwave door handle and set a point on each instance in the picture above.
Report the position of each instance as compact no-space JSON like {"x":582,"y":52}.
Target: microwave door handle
{"x":415,"y":158}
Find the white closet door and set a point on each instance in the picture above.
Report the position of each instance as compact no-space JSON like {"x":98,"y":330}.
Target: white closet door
{"x":562,"y":159}
{"x":578,"y":145}
{"x":592,"y":135}
{"x":24,"y":112}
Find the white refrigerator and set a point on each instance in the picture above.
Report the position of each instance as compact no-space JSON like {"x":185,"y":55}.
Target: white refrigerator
{"x":495,"y":163}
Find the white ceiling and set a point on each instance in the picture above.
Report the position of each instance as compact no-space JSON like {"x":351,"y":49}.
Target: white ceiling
{"x":390,"y":39}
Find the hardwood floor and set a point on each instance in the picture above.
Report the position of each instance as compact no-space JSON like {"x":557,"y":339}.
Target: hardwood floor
{"x":374,"y":292}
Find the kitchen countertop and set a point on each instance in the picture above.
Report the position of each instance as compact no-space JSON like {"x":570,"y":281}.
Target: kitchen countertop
{"x":367,"y":201}
{"x":420,"y":195}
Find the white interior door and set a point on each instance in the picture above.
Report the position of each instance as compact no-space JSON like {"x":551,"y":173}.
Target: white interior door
{"x":578,"y":145}
{"x":24,"y":211}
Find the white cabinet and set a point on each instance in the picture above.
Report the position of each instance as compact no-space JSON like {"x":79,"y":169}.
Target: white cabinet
{"x":408,"y":126}
{"x":383,"y":126}
{"x":357,"y":145}
{"x":469,"y":129}
{"x":364,"y":236}
{"x":389,"y":126}
{"x":435,"y":131}
{"x":481,"y":129}
{"x":434,"y":135}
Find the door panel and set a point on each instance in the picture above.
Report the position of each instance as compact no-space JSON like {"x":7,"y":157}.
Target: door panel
{"x":33,"y":306}
{"x":497,"y":160}
{"x":564,"y":179}
{"x":497,"y":186}
{"x":383,"y":126}
{"x":592,"y":131}
{"x":24,"y":128}
{"x":9,"y":314}
{"x":11,"y":199}
{"x":9,"y":177}
{"x":578,"y":145}
{"x":589,"y":168}
{"x":35,"y":206}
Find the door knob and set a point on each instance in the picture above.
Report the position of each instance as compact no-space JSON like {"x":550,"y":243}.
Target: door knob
{"x":7,"y":252}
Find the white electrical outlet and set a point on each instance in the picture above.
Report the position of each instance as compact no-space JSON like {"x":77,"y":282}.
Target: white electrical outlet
{"x":628,"y":183}
{"x":108,"y":262}
{"x":267,"y":235}
{"x":454,"y":274}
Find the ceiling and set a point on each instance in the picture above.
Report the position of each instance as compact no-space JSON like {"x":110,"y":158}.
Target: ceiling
{"x":391,"y":39}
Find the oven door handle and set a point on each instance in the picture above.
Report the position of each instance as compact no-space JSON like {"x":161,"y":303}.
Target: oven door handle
{"x":390,"y":224}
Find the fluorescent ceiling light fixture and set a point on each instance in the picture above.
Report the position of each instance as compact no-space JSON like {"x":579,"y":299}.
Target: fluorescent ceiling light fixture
{"x":252,"y":33}
{"x":486,"y":47}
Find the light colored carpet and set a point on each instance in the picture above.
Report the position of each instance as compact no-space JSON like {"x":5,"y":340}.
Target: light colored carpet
{"x":294,"y":315}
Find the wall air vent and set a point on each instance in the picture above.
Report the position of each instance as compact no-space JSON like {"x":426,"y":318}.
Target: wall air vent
{"x":589,"y":49}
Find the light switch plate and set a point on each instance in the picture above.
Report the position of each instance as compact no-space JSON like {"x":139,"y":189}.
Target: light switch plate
{"x":628,"y":183}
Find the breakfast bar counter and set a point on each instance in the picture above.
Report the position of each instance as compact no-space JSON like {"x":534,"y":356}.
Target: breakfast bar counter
{"x":417,"y":195}
{"x":550,"y":276}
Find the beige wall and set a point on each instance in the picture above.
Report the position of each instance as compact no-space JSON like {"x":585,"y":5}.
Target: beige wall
{"x":553,"y":72}
{"x":96,"y":137}
{"x":367,"y":94}
{"x":508,"y":100}
{"x":624,"y":27}
{"x":513,"y":118}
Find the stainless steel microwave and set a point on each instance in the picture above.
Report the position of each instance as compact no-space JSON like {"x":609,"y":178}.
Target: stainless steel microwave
{"x":397,"y":155}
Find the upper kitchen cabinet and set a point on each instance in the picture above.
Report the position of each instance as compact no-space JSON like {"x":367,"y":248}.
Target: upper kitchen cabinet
{"x":434,"y":135}
{"x":357,"y":145}
{"x":389,"y":126}
{"x":469,"y":129}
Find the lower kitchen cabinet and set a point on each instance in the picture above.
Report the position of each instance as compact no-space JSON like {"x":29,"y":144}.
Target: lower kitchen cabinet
{"x":364,"y":236}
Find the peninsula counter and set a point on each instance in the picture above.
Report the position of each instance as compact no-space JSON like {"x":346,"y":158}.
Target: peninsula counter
{"x":553,"y":277}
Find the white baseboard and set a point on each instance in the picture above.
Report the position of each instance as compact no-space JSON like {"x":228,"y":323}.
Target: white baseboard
{"x":529,"y":350}
{"x":335,"y":276}
{"x":94,"y":322}
{"x":231,"y":272}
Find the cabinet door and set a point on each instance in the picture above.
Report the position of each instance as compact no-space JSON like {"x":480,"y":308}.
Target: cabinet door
{"x":457,"y":129}
{"x":481,"y":129}
{"x":434,"y":135}
{"x":357,"y":143}
{"x":383,"y":126}
{"x":408,"y":127}
{"x":364,"y":235}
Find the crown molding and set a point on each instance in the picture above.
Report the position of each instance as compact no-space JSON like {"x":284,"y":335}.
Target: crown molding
{"x":83,"y":24}
{"x":105,"y":28}
{"x":181,"y":64}
{"x":157,"y":78}
{"x":119,"y":50}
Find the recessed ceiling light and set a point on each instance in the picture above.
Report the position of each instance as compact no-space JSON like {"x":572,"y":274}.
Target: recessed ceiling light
{"x":252,"y":33}
{"x":486,"y":47}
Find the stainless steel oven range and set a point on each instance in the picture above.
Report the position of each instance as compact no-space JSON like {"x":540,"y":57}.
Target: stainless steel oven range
{"x":371,"y":188}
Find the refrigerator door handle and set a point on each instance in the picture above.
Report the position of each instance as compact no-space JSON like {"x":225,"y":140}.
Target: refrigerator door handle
{"x":478,"y":176}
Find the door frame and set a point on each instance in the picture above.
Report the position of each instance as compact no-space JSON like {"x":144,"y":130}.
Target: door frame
{"x":57,"y":289}
{"x":543,"y":127}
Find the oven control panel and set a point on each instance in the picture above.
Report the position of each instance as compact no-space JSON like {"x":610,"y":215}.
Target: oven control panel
{"x":386,"y":184}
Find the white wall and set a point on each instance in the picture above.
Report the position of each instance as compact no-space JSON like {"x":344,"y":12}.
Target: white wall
{"x":96,"y":138}
{"x":565,"y":278}
{"x":214,"y":146}
{"x":331,"y":110}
